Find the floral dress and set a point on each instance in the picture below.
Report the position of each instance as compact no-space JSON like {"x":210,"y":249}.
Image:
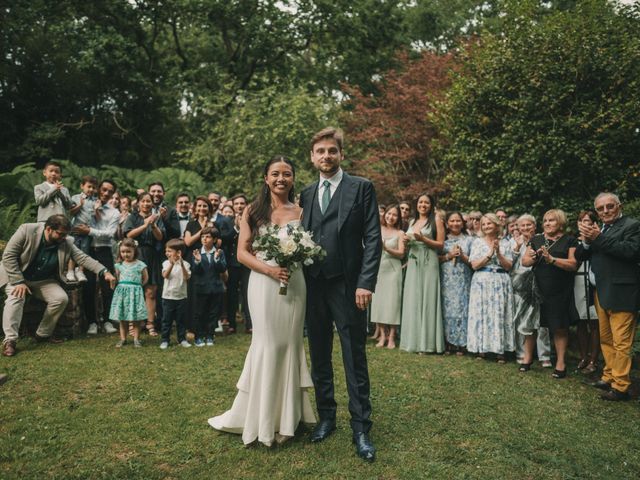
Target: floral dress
{"x":128,"y":297}
{"x":455,"y":281}
{"x":491,"y":325}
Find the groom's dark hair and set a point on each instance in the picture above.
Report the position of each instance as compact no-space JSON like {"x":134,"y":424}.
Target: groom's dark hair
{"x":328,"y":133}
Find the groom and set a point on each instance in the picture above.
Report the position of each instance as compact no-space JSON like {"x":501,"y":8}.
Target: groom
{"x":342,"y":213}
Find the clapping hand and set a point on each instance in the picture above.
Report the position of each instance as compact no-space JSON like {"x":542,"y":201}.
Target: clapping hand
{"x":151,"y":219}
{"x":216,"y":255}
{"x":163,"y":212}
{"x":197,"y":256}
{"x":496,"y":246}
{"x":544,"y":253}
{"x":589,"y":233}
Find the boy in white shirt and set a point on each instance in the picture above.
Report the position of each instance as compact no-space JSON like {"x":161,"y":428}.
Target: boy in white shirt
{"x":176,"y":273}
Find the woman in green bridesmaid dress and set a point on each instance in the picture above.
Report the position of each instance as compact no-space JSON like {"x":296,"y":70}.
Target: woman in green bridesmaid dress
{"x":386,"y":302}
{"x":422,"y":329}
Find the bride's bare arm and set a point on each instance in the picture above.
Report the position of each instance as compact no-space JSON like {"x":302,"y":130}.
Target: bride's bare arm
{"x":248,"y":259}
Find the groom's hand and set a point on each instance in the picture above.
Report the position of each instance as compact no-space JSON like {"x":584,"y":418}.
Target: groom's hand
{"x":363,"y":298}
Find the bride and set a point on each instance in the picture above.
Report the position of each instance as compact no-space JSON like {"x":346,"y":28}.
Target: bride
{"x":272,"y":394}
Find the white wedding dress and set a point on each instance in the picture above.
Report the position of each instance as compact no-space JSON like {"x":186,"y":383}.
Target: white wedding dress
{"x":272,"y":389}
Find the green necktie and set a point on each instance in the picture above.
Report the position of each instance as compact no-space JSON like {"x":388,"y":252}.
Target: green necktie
{"x":326,"y":196}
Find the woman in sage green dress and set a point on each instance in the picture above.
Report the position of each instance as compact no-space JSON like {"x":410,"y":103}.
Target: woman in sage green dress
{"x":422,"y":329}
{"x":387,"y":301}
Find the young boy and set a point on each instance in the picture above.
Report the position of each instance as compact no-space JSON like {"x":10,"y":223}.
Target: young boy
{"x":176,"y":273}
{"x":52,"y":197}
{"x":208,"y":264}
{"x":82,"y":212}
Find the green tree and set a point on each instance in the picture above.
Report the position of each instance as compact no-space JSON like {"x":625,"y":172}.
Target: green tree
{"x":271,"y":122}
{"x":545,"y":114}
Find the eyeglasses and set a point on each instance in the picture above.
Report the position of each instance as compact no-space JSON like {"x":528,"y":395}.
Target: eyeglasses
{"x":608,"y":206}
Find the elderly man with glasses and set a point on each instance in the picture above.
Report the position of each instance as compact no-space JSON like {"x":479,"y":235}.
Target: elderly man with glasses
{"x":34,"y":262}
{"x":614,"y":251}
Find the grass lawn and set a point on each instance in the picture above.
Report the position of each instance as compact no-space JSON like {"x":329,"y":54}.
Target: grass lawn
{"x":86,"y":410}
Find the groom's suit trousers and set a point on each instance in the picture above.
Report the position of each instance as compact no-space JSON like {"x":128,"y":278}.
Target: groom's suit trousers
{"x":329,"y":302}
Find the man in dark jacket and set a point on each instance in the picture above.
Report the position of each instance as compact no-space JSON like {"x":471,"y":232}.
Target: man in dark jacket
{"x":342,"y":212}
{"x":614,"y":252}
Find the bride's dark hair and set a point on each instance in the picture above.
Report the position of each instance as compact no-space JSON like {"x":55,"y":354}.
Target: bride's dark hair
{"x":260,"y":208}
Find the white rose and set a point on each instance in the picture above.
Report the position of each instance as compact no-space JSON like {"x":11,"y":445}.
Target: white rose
{"x":307,"y":242}
{"x":288,"y":246}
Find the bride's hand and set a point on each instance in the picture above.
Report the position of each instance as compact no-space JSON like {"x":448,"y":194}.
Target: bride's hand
{"x":279,"y":274}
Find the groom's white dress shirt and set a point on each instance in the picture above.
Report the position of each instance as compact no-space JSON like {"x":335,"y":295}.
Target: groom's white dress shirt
{"x":334,"y":183}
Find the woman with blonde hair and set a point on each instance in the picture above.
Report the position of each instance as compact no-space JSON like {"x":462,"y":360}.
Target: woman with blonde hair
{"x":552,"y":254}
{"x":387,"y":301}
{"x":490,"y":327}
{"x":526,"y":307}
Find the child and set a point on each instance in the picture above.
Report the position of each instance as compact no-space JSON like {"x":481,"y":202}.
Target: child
{"x":208,"y":263}
{"x":176,"y":273}
{"x":52,"y":197}
{"x":82,"y":211}
{"x":128,"y":304}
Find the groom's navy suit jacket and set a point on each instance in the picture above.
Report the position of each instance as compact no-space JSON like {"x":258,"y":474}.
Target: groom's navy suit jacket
{"x":359,"y":242}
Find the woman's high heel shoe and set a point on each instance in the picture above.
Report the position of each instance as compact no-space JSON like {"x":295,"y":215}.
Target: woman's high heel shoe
{"x":525,"y":367}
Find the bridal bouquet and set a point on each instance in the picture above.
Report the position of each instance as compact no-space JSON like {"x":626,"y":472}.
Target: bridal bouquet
{"x":289,"y":246}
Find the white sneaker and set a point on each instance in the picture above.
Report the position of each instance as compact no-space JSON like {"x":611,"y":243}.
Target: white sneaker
{"x":109,"y":328}
{"x":209,"y":342}
{"x":93,"y":329}
{"x":80,"y":276}
{"x":71,"y":276}
{"x":220,"y":328}
{"x":165,"y":345}
{"x":185,"y":344}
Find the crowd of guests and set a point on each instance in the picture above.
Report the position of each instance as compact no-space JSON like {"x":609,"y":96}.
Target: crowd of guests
{"x":490,"y":285}
{"x":150,"y":265}
{"x":449,"y":282}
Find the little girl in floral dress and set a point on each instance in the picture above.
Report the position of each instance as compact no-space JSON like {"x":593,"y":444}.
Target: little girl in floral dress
{"x":128,"y":304}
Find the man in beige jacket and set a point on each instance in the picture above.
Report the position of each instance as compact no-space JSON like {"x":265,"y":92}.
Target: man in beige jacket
{"x":34,"y":262}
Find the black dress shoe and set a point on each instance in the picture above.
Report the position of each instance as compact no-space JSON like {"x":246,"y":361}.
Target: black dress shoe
{"x":364,"y":447}
{"x":53,"y":340}
{"x":601,"y":384}
{"x":614,"y":395}
{"x":323,"y":430}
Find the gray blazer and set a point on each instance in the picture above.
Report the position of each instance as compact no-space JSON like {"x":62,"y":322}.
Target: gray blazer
{"x":22,"y":248}
{"x":51,"y":201}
